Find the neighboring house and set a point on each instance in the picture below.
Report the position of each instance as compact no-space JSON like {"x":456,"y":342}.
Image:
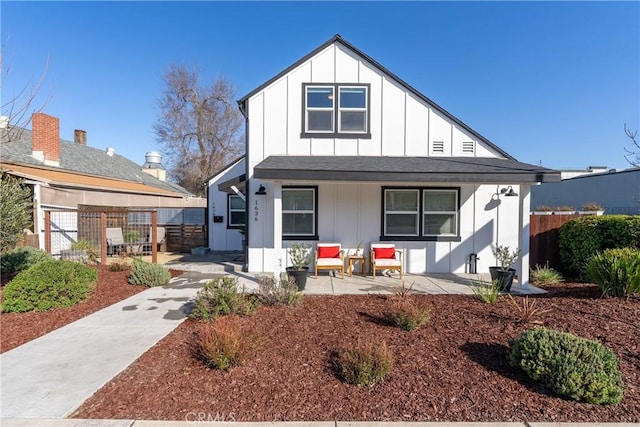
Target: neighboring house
{"x":71,"y":175}
{"x":345,"y":151}
{"x":618,"y":192}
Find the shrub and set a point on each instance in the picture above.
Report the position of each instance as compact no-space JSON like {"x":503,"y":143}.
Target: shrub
{"x":571,"y":366}
{"x":148,"y":274}
{"x":20,"y":259}
{"x":406,"y":314}
{"x":118,"y":266}
{"x":545,"y":275}
{"x":16,"y":207}
{"x":364,"y":363}
{"x":86,"y":245}
{"x":279,"y":292}
{"x":49,"y":284}
{"x":221,"y":296}
{"x":616,"y":271}
{"x":580,"y":238}
{"x":223,"y":344}
{"x":528,"y":310}
{"x":488,"y":293}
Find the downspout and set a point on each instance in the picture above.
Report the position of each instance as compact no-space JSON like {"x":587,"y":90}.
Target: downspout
{"x":242,"y":105}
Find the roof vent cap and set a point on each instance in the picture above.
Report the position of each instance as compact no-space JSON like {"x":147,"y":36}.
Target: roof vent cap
{"x":153,"y":157}
{"x":111,"y":151}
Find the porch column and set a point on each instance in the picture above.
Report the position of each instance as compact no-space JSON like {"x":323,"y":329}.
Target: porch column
{"x":278,"y":262}
{"x":523,"y":239}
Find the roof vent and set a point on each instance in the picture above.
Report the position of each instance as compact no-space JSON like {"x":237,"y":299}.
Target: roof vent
{"x":153,"y":157}
{"x":110,"y":151}
{"x":4,"y":122}
{"x":468,"y":147}
{"x":437,"y":147}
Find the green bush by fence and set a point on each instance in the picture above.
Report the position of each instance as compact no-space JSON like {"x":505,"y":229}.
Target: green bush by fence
{"x":580,"y":238}
{"x":147,"y":274}
{"x":616,"y":271}
{"x":20,"y":259}
{"x":49,"y":284}
{"x":572,"y":366}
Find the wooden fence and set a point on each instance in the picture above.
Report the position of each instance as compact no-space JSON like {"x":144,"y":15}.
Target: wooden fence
{"x":543,"y":241}
{"x":183,"y":237}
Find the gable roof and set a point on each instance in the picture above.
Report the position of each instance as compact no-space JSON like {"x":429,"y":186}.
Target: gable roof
{"x":339,"y":40}
{"x":80,"y":160}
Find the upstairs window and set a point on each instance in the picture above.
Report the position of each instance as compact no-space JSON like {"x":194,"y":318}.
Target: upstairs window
{"x":336,"y":111}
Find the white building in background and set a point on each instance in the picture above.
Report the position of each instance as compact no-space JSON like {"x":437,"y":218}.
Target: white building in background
{"x":340,"y":149}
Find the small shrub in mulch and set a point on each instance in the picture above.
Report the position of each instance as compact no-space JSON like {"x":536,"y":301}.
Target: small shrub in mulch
{"x":148,"y":274}
{"x":20,"y":259}
{"x":223,"y":343}
{"x":486,"y":292}
{"x":279,"y":292}
{"x":545,"y":275}
{"x":572,"y":366}
{"x":406,"y":313}
{"x":49,"y":284}
{"x":616,"y":271}
{"x":364,"y":364}
{"x":222,"y":296}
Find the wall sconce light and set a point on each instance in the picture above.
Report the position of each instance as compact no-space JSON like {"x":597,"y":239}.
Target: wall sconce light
{"x":261,"y":191}
{"x":508,"y":191}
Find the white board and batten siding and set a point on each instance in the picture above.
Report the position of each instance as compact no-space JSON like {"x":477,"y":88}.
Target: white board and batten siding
{"x":222,"y":238}
{"x":401,"y":124}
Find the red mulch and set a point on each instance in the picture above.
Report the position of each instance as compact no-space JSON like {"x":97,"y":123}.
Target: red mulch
{"x":19,"y":328}
{"x":452,"y":369}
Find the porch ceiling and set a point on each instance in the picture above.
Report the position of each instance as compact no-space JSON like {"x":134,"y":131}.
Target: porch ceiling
{"x":239,"y":182}
{"x":407,"y":169}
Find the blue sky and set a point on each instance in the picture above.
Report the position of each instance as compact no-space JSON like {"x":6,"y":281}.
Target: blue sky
{"x":549,"y":82}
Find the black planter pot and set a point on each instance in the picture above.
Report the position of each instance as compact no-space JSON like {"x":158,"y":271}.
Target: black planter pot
{"x":299,"y":276}
{"x":505,"y":278}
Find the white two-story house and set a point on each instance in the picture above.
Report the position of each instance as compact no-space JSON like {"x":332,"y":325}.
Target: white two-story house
{"x":339,"y":149}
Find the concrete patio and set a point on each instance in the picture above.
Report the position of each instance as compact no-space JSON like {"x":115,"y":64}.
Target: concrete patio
{"x":331,"y":283}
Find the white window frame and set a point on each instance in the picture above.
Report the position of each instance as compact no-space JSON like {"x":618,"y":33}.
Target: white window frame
{"x":347,"y":109}
{"x":313,"y":212}
{"x":230,"y":210}
{"x":455,"y":212}
{"x":308,"y":109}
{"x":416,"y":212}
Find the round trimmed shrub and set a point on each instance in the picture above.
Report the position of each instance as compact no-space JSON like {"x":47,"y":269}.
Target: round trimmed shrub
{"x":20,"y":259}
{"x":49,"y":284}
{"x":616,"y":271}
{"x":580,"y":238}
{"x":572,"y":366}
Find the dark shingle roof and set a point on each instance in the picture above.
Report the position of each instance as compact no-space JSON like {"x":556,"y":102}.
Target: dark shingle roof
{"x":85,"y":160}
{"x":406,"y":169}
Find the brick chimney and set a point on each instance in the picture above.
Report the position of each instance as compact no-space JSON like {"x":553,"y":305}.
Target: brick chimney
{"x":80,"y":137}
{"x":46,"y":138}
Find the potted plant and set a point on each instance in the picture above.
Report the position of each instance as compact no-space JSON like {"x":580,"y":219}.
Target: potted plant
{"x":300,"y":255}
{"x":504,"y":273}
{"x":132,"y":237}
{"x":591,"y":208}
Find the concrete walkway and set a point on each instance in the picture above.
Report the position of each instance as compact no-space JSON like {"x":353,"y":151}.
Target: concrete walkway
{"x":51,"y":376}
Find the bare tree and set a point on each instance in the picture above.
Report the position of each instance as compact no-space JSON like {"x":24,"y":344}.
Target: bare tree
{"x":17,"y":106}
{"x":633,"y":156}
{"x":198,"y":128}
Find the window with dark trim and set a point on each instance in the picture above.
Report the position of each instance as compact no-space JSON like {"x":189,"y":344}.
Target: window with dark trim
{"x":335,"y":110}
{"x":236,"y":215}
{"x":299,"y":213}
{"x":420,"y":213}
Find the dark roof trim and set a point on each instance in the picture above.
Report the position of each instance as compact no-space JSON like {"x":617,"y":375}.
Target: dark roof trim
{"x":401,"y":169}
{"x":338,"y":39}
{"x":226,"y":185}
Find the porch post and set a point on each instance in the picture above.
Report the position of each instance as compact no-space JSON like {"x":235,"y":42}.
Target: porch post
{"x":278,"y":262}
{"x":523,"y":239}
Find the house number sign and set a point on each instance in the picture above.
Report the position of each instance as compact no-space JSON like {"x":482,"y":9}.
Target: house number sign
{"x":256,"y":212}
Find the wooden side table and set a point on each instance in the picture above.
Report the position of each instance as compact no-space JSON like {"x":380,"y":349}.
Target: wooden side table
{"x":354,"y":259}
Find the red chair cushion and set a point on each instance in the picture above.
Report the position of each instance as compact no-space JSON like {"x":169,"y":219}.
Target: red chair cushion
{"x":329,"y":252}
{"x":384,"y":253}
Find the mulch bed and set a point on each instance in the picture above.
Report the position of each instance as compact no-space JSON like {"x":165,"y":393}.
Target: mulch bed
{"x":452,"y":369}
{"x":19,"y":328}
